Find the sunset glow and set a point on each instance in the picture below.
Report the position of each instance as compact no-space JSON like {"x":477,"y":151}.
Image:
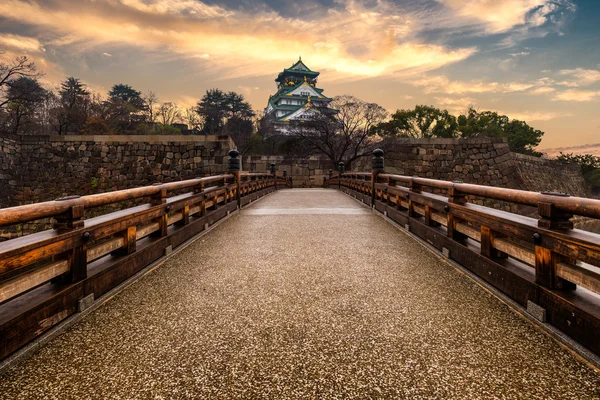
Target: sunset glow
{"x":535,"y":60}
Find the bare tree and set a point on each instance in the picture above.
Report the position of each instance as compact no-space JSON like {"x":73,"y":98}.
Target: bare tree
{"x":19,"y":67}
{"x":192,"y":118}
{"x":343,"y":131}
{"x":169,"y":113}
{"x":151,"y":101}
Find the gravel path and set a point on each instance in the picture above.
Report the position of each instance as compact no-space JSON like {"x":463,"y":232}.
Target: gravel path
{"x":289,"y":300}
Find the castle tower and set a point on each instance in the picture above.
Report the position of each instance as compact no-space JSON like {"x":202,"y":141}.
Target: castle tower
{"x":297,"y":93}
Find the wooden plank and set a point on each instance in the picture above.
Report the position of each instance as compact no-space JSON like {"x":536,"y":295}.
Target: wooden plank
{"x":171,"y":219}
{"x":580,"y":275}
{"x":515,"y":250}
{"x":440,"y":219}
{"x":105,"y":248}
{"x":29,"y":280}
{"x":468,"y":231}
{"x":146,"y":230}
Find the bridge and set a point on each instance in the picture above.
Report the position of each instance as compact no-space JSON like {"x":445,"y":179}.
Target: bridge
{"x":238,"y":286}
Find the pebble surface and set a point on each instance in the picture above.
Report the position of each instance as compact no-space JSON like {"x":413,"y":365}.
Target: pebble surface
{"x":276,"y":305}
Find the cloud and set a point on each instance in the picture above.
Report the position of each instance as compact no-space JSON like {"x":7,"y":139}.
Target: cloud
{"x":441,"y":84}
{"x":577,"y":95}
{"x":240,"y":43}
{"x":107,"y":54}
{"x":455,"y":105}
{"x":591,"y":148}
{"x":20,"y":43}
{"x":535,"y":115}
{"x":543,"y":90}
{"x":503,"y":15}
{"x":583,"y":77}
{"x":520,"y":54}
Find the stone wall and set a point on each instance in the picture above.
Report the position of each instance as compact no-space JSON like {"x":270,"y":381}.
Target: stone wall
{"x":482,"y":161}
{"x":538,"y":175}
{"x":43,"y":168}
{"x":305,"y":172}
{"x":9,"y":163}
{"x":34,"y":169}
{"x":485,"y":161}
{"x":55,"y":166}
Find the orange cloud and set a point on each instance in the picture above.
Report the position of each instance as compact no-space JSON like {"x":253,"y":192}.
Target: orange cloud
{"x":441,"y":84}
{"x":239,"y":44}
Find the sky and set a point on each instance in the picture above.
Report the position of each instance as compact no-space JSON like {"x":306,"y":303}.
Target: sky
{"x":533,"y":60}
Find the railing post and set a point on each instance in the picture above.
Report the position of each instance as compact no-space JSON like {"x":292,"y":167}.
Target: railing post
{"x":70,"y":220}
{"x":200,"y":189}
{"x":456,"y":197}
{"x":273,"y":172}
{"x":545,"y":269}
{"x":487,"y":243}
{"x":234,"y":168}
{"x":413,"y":187}
{"x":378,"y":166}
{"x":341,"y":168}
{"x":546,"y":260}
{"x":159,"y":199}
{"x":551,"y":218}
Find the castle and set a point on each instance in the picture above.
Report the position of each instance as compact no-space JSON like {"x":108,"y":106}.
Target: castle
{"x":296,"y":98}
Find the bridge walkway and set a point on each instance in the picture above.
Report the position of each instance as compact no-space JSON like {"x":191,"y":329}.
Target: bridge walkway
{"x":305,"y":294}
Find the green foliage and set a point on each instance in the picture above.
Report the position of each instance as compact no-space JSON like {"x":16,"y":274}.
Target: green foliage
{"x":590,"y":167}
{"x":422,"y":122}
{"x":96,"y":126}
{"x":592,"y":178}
{"x":522,"y":138}
{"x":588,"y":162}
{"x":218,"y":107}
{"x":94,"y":183}
{"x":162,"y":129}
{"x":430,"y":122}
{"x":72,"y":92}
{"x":126,"y":94}
{"x":255,"y":145}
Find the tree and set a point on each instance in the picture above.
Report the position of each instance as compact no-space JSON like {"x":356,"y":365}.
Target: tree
{"x":70,"y":111}
{"x":343,"y":131}
{"x":150,"y":101}
{"x":422,"y":122}
{"x":522,"y":138}
{"x":213,"y":109}
{"x":19,"y":67}
{"x":218,"y":107}
{"x":590,"y":167}
{"x":125,"y":107}
{"x":588,"y":162}
{"x":192,"y":119}
{"x":127,"y":94}
{"x":26,"y":97}
{"x":169,"y":113}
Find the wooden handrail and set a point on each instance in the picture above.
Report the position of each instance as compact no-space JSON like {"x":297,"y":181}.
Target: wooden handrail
{"x":32,"y":212}
{"x":534,"y":261}
{"x":573,"y":205}
{"x":82,"y":257}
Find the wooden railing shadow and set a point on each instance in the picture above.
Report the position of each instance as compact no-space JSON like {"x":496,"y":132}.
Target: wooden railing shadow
{"x":47,"y":276}
{"x":544,"y":264}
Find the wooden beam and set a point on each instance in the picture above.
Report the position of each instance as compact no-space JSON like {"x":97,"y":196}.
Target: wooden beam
{"x":29,"y":280}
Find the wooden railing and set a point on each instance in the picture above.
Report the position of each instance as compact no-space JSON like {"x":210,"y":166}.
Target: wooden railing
{"x":47,"y":276}
{"x":541,"y":263}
